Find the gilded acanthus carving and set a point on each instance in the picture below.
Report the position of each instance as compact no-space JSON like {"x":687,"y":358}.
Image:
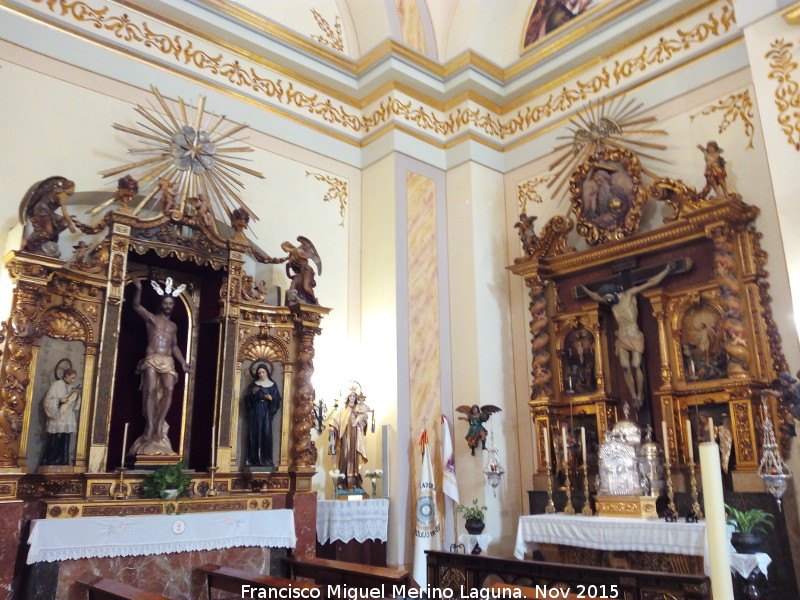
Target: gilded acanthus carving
{"x":255,"y":292}
{"x":551,"y":242}
{"x":733,"y":325}
{"x":681,"y":198}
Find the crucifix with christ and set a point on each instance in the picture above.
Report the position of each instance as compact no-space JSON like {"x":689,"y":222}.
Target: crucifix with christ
{"x":620,"y":293}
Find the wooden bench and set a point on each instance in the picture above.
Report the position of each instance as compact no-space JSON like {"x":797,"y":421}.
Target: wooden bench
{"x":232,"y":580}
{"x":100,"y":588}
{"x":337,"y":572}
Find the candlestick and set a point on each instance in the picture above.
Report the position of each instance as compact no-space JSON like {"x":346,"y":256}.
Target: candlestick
{"x":211,"y":489}
{"x":124,"y":445}
{"x":666,"y":441}
{"x":587,"y":509}
{"x":693,"y":483}
{"x":121,"y":488}
{"x":551,"y":507}
{"x":716,"y":529}
{"x":689,"y":441}
{"x":670,"y":491}
{"x":568,"y":509}
{"x":213,"y":445}
{"x":583,"y":444}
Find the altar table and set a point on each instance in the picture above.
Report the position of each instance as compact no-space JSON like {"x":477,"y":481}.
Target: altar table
{"x":612,"y":533}
{"x":87,"y":537}
{"x":353,"y":531}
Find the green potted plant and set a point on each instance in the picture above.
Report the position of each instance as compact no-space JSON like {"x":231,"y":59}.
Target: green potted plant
{"x":167,"y":482}
{"x":748,"y":526}
{"x":473,"y":517}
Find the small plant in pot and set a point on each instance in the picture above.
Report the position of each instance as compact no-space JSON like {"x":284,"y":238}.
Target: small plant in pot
{"x":473,"y":517}
{"x":748,"y":526}
{"x":167,"y":482}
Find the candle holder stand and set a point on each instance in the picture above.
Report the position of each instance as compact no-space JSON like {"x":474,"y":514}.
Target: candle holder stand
{"x":693,"y":483}
{"x":121,"y":489}
{"x":211,"y":489}
{"x":551,"y":507}
{"x":670,"y":490}
{"x":587,"y":509}
{"x":568,"y":509}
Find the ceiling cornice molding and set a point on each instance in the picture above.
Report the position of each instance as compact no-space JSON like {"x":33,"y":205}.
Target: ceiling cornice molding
{"x":466,"y":115}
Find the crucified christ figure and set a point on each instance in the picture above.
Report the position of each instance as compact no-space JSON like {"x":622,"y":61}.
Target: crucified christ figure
{"x":158,"y":372}
{"x":630,"y":339}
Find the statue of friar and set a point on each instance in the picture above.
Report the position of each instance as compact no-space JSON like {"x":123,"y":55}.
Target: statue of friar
{"x":157,"y":368}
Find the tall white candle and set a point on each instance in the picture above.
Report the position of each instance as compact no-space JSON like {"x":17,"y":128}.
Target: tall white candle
{"x":213,"y":445}
{"x":124,"y":445}
{"x":689,"y":441}
{"x":564,"y":440}
{"x":546,"y":448}
{"x":716,"y":529}
{"x":666,"y":440}
{"x":583,"y":444}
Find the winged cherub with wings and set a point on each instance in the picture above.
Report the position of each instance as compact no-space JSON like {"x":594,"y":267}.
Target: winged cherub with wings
{"x":300,"y":271}
{"x":476,"y":417}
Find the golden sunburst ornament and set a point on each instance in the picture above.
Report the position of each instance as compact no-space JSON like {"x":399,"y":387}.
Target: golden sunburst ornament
{"x":188,"y":157}
{"x":602,"y":126}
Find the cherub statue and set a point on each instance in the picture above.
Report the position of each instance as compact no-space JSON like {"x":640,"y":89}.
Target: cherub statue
{"x":476,"y":417}
{"x":300,"y":271}
{"x":526,"y":233}
{"x":203,"y":211}
{"x":715,"y":170}
{"x":169,"y":191}
{"x":240,"y":219}
{"x":38,"y":212}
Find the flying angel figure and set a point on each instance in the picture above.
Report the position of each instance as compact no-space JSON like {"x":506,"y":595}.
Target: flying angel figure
{"x":300,"y":271}
{"x":476,"y":417}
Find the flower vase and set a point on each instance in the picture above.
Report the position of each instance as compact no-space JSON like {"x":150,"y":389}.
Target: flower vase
{"x":374,"y":489}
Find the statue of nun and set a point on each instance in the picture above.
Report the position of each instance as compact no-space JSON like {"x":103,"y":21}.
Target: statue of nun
{"x":263,"y":400}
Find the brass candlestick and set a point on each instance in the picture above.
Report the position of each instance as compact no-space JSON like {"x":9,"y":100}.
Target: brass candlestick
{"x":587,"y":509}
{"x":670,"y":491}
{"x":211,"y":489}
{"x":550,"y":508}
{"x":121,"y":490}
{"x":568,"y":509}
{"x":693,"y":483}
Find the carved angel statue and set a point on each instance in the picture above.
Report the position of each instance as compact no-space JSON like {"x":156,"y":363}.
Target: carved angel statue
{"x":44,"y":213}
{"x":300,"y":271}
{"x":476,"y":417}
{"x":715,"y":173}
{"x":725,"y":436}
{"x":526,"y":233}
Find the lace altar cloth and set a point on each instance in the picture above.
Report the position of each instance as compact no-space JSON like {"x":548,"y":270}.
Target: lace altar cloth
{"x":612,"y":533}
{"x":744,"y":564}
{"x":86,"y":537}
{"x":358,"y":520}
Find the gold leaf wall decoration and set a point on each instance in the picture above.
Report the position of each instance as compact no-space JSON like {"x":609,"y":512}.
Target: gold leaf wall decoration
{"x":337,"y":191}
{"x":782,"y":66}
{"x":735,"y":106}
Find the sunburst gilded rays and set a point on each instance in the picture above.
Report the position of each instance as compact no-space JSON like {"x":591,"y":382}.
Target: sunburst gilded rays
{"x":185,"y":155}
{"x":599,"y":126}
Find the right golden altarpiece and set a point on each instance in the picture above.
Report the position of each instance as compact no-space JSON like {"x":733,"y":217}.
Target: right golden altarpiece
{"x":710,"y":345}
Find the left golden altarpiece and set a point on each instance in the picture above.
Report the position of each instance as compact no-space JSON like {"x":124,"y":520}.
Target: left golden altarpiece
{"x":82,"y":304}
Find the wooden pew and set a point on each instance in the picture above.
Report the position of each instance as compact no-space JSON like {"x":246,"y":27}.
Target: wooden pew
{"x":231,"y":580}
{"x":100,"y":588}
{"x":337,"y":572}
{"x":531,"y":593}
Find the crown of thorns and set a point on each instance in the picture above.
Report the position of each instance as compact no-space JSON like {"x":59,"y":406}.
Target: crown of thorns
{"x":168,"y":290}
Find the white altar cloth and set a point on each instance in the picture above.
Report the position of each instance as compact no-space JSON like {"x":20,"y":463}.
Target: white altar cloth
{"x":359,"y":520}
{"x":85,"y":537}
{"x":612,"y":533}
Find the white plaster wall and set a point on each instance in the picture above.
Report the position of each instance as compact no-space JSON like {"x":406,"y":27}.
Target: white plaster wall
{"x":481,"y":342}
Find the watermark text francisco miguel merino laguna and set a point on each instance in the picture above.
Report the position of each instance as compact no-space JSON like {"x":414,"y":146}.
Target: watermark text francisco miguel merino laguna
{"x":402,"y":591}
